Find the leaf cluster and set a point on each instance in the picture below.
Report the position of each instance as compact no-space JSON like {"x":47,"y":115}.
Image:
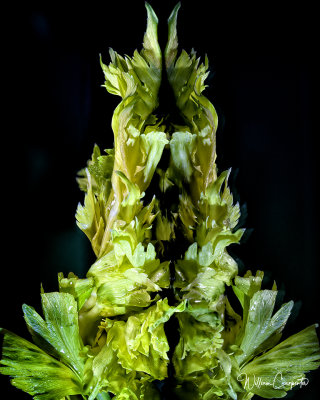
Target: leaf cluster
{"x":159,"y":259}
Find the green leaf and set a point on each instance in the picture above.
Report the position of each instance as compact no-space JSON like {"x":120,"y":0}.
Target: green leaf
{"x":203,"y":272}
{"x":217,"y":209}
{"x":164,"y":227}
{"x":199,"y":341}
{"x":283,"y":367}
{"x":151,"y":49}
{"x":134,"y":352}
{"x":80,"y":289}
{"x":117,"y":81}
{"x":172,"y":44}
{"x":186,"y":77}
{"x":133,"y":190}
{"x":141,"y":343}
{"x":262,"y":330}
{"x":212,"y":195}
{"x":36,"y":372}
{"x":187,"y":215}
{"x":124,"y":279}
{"x":86,"y":214}
{"x":131,"y":202}
{"x":183,"y":147}
{"x":100,"y":168}
{"x":59,"y":333}
{"x":136,"y":80}
{"x":204,"y":286}
{"x":152,"y":145}
{"x":245,"y":287}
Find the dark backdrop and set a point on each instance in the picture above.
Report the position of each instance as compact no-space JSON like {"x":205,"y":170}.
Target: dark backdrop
{"x":262,"y":83}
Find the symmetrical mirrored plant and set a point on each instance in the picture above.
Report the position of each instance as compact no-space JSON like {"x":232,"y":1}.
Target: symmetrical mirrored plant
{"x":107,"y":335}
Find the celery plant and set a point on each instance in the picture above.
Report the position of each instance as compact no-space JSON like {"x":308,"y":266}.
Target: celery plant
{"x":159,"y":260}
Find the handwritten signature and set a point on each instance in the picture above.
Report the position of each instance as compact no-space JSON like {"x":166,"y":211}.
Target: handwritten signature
{"x":277,"y":382}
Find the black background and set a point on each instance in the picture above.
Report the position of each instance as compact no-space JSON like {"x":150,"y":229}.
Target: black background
{"x":263,"y":84}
